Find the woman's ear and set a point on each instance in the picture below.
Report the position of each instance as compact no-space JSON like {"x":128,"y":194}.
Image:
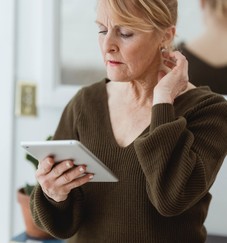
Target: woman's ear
{"x":168,"y":36}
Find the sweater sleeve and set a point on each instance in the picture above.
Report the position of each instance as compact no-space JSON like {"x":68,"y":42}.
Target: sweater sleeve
{"x":61,"y":219}
{"x":181,"y":156}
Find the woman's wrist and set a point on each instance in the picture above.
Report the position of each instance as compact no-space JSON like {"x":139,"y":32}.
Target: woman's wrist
{"x":162,"y":97}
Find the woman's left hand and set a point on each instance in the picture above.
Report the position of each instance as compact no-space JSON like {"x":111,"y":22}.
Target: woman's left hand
{"x":172,"y":79}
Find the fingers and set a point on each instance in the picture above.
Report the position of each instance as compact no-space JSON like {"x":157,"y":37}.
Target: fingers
{"x":59,"y":188}
{"x":177,"y":63}
{"x":74,"y":177}
{"x":173,"y":59}
{"x":45,"y":166}
{"x":79,"y":181}
{"x":168,"y":60}
{"x":63,"y":176}
{"x":58,"y":179}
{"x":61,"y":168}
{"x":49,"y":165}
{"x":161,"y":74}
{"x":181,"y":62}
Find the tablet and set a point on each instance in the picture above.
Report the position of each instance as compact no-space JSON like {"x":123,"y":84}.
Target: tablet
{"x":73,"y":150}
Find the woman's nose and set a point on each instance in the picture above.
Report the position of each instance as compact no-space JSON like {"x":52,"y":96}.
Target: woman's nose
{"x":110,"y":43}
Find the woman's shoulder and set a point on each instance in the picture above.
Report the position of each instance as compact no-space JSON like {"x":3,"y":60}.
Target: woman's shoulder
{"x":199,"y":98}
{"x":92,"y":88}
{"x":90,"y":91}
{"x":201,"y":93}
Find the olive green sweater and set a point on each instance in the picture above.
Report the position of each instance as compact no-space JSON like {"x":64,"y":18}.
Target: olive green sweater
{"x":164,"y":175}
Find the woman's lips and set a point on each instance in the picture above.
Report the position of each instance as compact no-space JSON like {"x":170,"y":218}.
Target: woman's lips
{"x":114,"y":62}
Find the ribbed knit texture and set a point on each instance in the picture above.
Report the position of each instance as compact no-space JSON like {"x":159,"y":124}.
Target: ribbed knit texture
{"x":164,"y":175}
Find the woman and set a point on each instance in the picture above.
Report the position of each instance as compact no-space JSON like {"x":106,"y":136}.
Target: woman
{"x":207,"y":53}
{"x":164,"y":138}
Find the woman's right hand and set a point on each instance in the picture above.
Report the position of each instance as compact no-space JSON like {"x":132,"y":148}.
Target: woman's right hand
{"x":58,"y":179}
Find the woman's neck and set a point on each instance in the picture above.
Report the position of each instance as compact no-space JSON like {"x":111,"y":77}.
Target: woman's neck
{"x":137,"y":92}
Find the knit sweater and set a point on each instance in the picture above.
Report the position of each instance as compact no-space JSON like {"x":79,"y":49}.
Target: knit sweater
{"x":164,"y":175}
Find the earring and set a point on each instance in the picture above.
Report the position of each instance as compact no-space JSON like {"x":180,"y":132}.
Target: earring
{"x":163,"y":49}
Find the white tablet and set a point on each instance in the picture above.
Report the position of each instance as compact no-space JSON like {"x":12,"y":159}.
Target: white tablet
{"x":70,"y":149}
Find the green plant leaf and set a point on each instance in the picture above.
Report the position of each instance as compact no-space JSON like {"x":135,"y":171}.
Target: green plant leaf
{"x":34,"y":161}
{"x":28,"y":189}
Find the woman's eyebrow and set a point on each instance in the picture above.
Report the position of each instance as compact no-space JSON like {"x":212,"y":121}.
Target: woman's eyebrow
{"x":98,"y":22}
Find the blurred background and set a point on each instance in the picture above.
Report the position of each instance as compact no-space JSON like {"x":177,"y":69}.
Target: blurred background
{"x":48,"y":50}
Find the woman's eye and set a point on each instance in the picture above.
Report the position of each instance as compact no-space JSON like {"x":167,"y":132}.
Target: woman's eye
{"x":103,"y":32}
{"x":126,"y":35}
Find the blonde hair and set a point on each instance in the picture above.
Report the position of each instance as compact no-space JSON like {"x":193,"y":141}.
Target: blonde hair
{"x":219,"y":7}
{"x":145,"y":15}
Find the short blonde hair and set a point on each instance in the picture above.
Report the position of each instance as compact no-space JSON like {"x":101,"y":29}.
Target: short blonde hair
{"x":145,"y":15}
{"x":219,"y":7}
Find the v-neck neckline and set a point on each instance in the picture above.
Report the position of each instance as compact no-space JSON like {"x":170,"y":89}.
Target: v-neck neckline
{"x":108,"y":123}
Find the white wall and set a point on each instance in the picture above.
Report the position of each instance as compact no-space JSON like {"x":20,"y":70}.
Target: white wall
{"x":7,"y":118}
{"x":189,"y":19}
{"x":216,"y":222}
{"x":29,"y":68}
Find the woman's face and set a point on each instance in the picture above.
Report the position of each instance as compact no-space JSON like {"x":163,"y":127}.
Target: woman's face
{"x":128,"y":54}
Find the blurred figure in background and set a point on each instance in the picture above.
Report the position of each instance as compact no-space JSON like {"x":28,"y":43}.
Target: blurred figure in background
{"x":207,"y":53}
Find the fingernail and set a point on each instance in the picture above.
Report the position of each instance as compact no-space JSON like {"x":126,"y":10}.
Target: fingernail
{"x":91,"y":176}
{"x":81,"y":169}
{"x":68,"y":164}
{"x":49,"y":162}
